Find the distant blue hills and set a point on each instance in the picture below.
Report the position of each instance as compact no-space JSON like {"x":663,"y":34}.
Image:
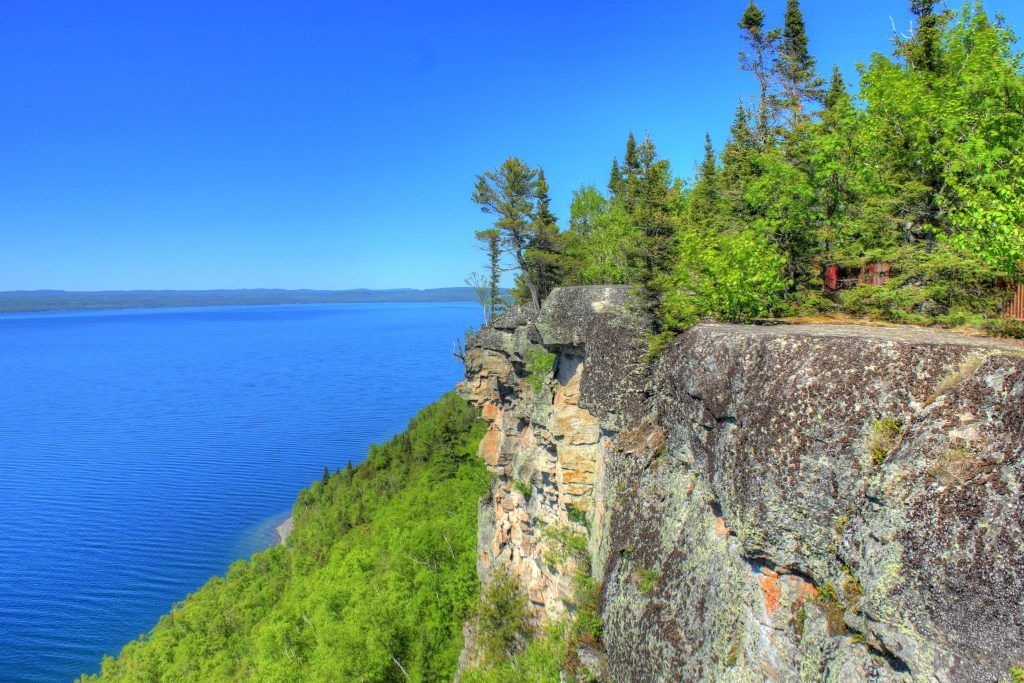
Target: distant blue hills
{"x":60,"y":300}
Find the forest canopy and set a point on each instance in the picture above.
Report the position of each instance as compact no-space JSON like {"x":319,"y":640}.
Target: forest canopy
{"x":900,"y":200}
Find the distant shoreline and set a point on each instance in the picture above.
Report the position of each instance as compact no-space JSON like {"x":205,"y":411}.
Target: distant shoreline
{"x":43,"y":301}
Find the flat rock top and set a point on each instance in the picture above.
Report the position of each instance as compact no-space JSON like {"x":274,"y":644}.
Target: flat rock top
{"x":902,"y":334}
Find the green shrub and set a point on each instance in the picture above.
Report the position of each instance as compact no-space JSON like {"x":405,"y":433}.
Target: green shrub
{"x":732,"y":277}
{"x":577,"y":516}
{"x":539,"y":366}
{"x":542,"y":661}
{"x":524,"y":488}
{"x":884,"y":434}
{"x":943,"y":285}
{"x":648,"y":580}
{"x":502,"y":620}
{"x":831,"y":604}
{"x":1001,"y":327}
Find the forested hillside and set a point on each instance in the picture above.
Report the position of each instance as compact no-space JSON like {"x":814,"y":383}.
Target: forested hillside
{"x":907,"y":191}
{"x":377,"y":579}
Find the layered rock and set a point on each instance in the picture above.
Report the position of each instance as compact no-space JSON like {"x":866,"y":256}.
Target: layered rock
{"x":762,"y":503}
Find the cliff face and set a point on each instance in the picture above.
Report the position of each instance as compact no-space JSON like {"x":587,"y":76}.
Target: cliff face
{"x":763,"y":503}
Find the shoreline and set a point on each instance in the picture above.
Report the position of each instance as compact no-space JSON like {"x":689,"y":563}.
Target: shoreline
{"x":284,"y":529}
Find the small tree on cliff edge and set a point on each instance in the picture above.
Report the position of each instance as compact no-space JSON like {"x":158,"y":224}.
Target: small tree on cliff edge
{"x":488,"y":287}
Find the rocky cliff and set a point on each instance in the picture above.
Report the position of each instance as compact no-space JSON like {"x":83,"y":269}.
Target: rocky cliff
{"x":795,"y":502}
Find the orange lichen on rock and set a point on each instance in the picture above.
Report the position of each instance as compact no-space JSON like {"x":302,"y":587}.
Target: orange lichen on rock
{"x":770,"y":589}
{"x":720,"y":527}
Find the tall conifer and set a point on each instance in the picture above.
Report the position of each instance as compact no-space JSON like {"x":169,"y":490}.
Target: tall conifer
{"x":508,"y":192}
{"x":757,"y":59}
{"x":795,"y":65}
{"x":542,"y":253}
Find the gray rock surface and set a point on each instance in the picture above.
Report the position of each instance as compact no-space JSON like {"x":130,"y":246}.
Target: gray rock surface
{"x":795,"y":502}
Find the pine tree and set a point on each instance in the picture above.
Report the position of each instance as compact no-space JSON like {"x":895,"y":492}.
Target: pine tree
{"x":632,"y":157}
{"x":544,"y":247}
{"x":615,"y":179}
{"x":653,"y":215}
{"x":508,"y":192}
{"x":922,"y":48}
{"x":795,"y":66}
{"x":490,"y":242}
{"x":326,"y":476}
{"x":703,"y":208}
{"x":739,"y":167}
{"x":762,"y":50}
{"x":630,"y":173}
{"x":836,"y":89}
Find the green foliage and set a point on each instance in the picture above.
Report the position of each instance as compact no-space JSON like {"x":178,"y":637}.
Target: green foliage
{"x":539,"y":366}
{"x":853,"y":592}
{"x":565,"y":544}
{"x":517,"y":195}
{"x":832,"y":605}
{"x":501,"y":618}
{"x":648,"y":580}
{"x":524,"y":488}
{"x":542,"y":661}
{"x":923,"y":169}
{"x":990,"y":220}
{"x":549,"y":655}
{"x":577,"y":516}
{"x":380,"y":569}
{"x":488,"y":288}
{"x":599,"y":239}
{"x":942,"y":284}
{"x":1017,"y":674}
{"x":734,"y":278}
{"x":884,"y":435}
{"x":588,"y":626}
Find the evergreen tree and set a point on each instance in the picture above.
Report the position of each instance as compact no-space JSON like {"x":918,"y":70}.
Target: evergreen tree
{"x":795,"y":66}
{"x":627,"y":190}
{"x":632,"y":157}
{"x":921,"y":49}
{"x":490,"y":242}
{"x":654,"y":217}
{"x":508,"y":192}
{"x":757,"y":59}
{"x":836,"y":89}
{"x":543,"y":250}
{"x":739,"y":166}
{"x":703,"y":207}
{"x":615,"y":179}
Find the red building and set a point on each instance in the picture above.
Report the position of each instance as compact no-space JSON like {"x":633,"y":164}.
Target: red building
{"x":1016,"y":309}
{"x":844,"y":277}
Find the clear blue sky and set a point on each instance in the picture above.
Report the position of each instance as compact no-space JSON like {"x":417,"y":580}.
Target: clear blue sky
{"x":326,"y":144}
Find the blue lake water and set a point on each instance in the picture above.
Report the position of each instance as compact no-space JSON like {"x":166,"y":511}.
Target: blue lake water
{"x":143,"y":451}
